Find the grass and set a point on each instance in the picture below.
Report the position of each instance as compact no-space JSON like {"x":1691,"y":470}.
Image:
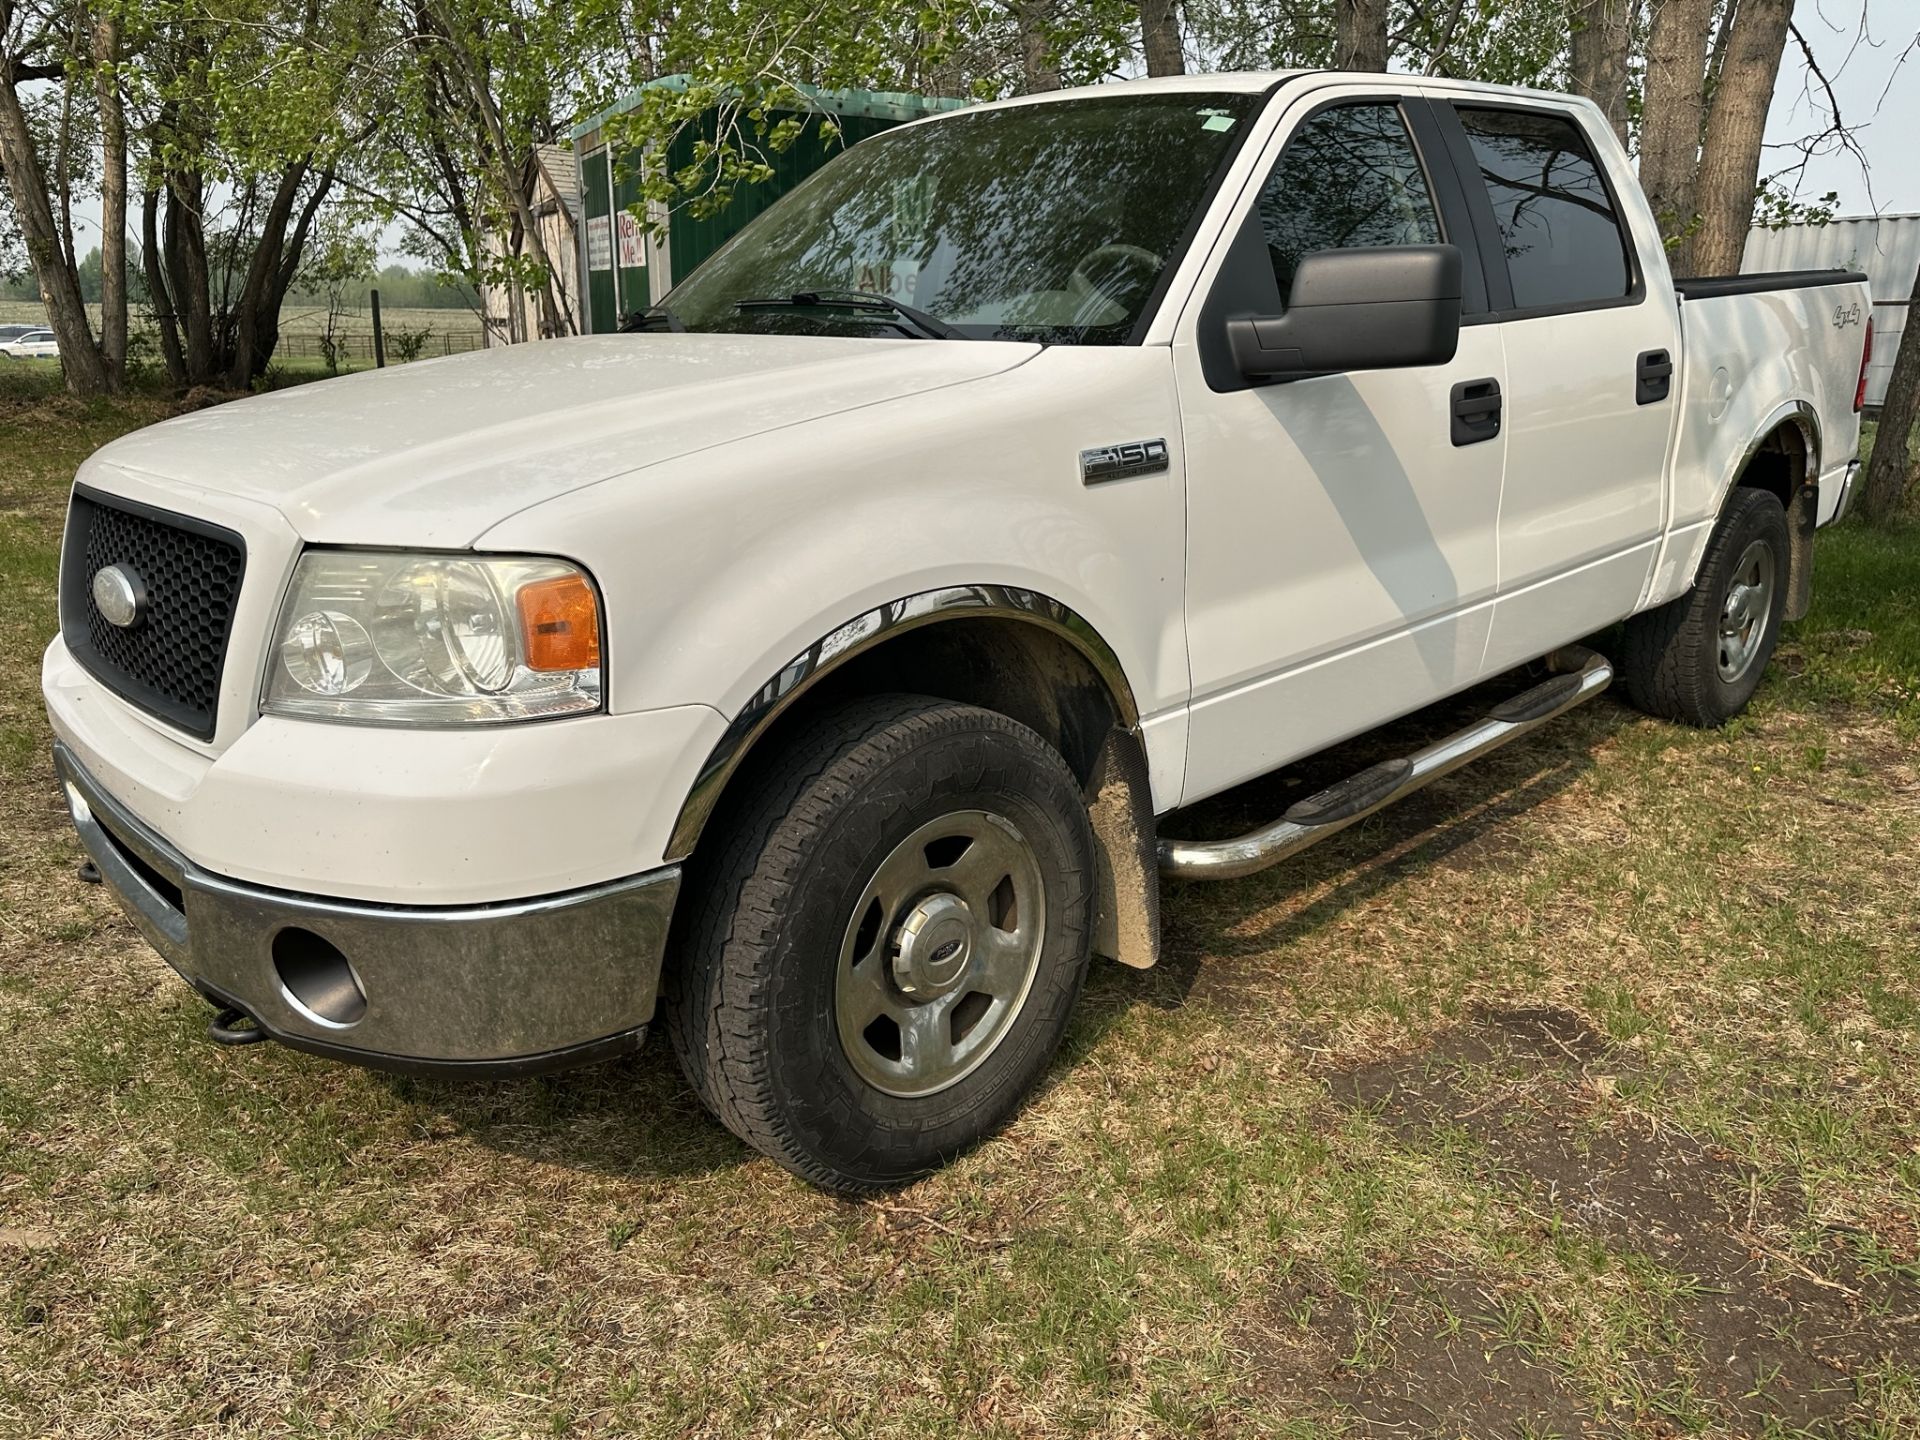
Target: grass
{"x":1295,"y":1182}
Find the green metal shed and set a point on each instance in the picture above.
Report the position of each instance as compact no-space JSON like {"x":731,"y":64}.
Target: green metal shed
{"x":626,"y":267}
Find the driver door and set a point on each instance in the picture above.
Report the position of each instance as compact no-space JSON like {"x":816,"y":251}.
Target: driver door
{"x":1341,"y":558}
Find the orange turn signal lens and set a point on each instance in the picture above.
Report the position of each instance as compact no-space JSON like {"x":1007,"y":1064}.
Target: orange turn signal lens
{"x":559,"y":624}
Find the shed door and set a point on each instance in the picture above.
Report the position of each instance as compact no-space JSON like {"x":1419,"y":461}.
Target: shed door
{"x":602,"y":304}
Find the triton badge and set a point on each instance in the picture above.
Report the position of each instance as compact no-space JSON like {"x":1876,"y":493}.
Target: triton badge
{"x":1123,"y":462}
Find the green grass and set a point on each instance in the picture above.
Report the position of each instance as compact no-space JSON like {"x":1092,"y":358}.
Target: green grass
{"x":1189,"y":1231}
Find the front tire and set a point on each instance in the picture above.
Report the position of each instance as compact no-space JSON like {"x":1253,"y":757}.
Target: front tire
{"x":1698,"y":659}
{"x":882,"y":957}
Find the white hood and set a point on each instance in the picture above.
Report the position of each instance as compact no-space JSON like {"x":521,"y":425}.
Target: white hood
{"x":438,"y":452}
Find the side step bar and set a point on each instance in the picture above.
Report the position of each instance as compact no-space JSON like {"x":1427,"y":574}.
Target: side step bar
{"x":1584,"y":675}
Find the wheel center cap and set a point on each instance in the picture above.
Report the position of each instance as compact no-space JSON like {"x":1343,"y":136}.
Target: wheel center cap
{"x":933,"y":946}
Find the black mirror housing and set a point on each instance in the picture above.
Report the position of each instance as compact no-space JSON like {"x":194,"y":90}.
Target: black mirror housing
{"x":1381,"y":308}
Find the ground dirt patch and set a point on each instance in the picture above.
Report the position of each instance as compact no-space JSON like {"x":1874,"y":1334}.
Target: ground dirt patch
{"x":1774,"y":1323}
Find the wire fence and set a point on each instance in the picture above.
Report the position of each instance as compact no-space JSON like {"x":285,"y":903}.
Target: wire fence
{"x":359,"y":345}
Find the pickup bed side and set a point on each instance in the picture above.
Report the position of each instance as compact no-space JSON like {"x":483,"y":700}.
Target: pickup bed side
{"x":1769,"y":364}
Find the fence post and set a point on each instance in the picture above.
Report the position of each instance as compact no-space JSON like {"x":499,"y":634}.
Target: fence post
{"x":379,"y":336}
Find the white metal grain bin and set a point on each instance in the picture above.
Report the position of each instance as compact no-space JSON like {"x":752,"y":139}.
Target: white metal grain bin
{"x":1886,"y":247}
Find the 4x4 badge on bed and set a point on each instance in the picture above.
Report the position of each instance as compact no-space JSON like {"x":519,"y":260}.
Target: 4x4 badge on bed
{"x":1121,"y":462}
{"x":119,"y":596}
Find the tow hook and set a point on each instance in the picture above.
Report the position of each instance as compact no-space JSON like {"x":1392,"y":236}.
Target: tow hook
{"x":235,"y":1027}
{"x":88,"y":872}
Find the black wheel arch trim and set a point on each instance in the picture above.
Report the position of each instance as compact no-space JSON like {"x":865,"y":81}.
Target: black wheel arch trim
{"x":863,"y":633}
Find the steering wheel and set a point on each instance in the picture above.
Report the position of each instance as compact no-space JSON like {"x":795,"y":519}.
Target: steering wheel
{"x":1134,"y":256}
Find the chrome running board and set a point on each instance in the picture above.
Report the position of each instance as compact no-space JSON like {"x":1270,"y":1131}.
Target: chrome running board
{"x":1583,"y":676}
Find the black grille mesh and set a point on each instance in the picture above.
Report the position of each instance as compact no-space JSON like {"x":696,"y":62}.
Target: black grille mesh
{"x":170,"y":661}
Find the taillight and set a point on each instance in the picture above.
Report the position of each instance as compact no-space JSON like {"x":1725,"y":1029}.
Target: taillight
{"x":1866,"y":355}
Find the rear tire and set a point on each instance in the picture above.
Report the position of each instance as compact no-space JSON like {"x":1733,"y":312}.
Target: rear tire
{"x":882,"y":956}
{"x":1698,"y":659}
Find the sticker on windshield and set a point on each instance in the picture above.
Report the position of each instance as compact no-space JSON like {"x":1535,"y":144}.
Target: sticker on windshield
{"x":1215,"y":120}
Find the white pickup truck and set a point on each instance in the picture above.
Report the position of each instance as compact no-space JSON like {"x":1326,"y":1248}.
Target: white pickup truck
{"x":807,"y":667}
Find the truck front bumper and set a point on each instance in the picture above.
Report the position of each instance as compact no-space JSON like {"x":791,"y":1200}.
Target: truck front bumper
{"x":519,"y":987}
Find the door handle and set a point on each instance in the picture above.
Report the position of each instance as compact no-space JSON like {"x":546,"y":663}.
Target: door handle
{"x":1652,"y":377}
{"x":1476,"y":411}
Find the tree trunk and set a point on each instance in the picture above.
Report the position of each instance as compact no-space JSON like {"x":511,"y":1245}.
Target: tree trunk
{"x":1602,"y":39}
{"x":185,"y":245}
{"x":1039,"y":68}
{"x":59,"y":285}
{"x":113,"y":199}
{"x":1673,"y":105}
{"x":1360,"y":34}
{"x":508,"y":174}
{"x":165,"y":318}
{"x":1736,"y":122}
{"x":1160,"y":37}
{"x":1892,"y":471}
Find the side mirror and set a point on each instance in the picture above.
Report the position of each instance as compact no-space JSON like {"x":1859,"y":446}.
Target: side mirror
{"x":1369,"y":309}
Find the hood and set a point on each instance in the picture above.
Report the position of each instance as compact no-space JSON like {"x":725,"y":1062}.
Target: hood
{"x":437,"y":452}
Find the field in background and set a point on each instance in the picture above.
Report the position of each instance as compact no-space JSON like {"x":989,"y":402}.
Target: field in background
{"x":1575,"y":1096}
{"x":449,"y":330}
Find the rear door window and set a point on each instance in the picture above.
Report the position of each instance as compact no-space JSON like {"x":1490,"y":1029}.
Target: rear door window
{"x":1558,"y":227}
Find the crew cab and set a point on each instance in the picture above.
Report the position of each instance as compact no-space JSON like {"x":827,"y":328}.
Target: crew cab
{"x":807,"y":670}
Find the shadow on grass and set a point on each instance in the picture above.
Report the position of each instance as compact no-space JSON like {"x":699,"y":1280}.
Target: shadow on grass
{"x":637,"y":1117}
{"x":634,"y":1117}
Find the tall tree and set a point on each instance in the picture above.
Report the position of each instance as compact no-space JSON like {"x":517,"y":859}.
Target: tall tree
{"x":45,"y":43}
{"x":1360,"y":34}
{"x":1160,"y":41}
{"x":1673,"y":109}
{"x":1600,"y":55}
{"x":1736,"y":125}
{"x":253,"y":116}
{"x":1892,"y":471}
{"x":107,"y":33}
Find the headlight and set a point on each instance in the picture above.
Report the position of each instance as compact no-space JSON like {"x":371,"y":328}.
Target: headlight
{"x":435,"y":639}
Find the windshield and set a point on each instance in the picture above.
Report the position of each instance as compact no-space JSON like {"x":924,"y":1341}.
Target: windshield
{"x":1051,"y":222}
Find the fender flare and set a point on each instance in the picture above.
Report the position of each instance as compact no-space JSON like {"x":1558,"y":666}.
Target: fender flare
{"x":862,"y":633}
{"x":1798,"y":413}
{"x":1803,"y":506}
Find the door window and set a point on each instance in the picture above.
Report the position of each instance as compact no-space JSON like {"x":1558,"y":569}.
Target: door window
{"x":1557,"y":222}
{"x":1349,"y":178}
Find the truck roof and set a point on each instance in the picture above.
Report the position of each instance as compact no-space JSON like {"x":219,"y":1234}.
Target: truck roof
{"x":1257,"y":82}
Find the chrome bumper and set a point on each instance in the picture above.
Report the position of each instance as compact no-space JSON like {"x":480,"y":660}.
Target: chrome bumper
{"x":515,"y":988}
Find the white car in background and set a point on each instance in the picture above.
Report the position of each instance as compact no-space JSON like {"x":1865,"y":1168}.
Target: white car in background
{"x":33,"y":345}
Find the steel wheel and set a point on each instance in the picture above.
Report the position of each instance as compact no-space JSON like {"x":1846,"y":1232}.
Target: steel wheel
{"x":940,"y":953}
{"x":1745,"y":612}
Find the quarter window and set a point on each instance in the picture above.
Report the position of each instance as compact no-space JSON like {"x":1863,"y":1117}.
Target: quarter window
{"x":1557,"y":223}
{"x":1349,"y":178}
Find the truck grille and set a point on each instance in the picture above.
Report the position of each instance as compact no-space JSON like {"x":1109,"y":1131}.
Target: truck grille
{"x":168,"y":662}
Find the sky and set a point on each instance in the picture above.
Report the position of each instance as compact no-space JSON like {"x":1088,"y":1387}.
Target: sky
{"x":1876,"y":79}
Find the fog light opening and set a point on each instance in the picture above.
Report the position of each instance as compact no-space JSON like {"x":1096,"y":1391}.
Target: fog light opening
{"x":316,"y":979}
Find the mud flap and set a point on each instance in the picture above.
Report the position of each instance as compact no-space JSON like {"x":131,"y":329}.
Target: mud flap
{"x":1126,"y":924}
{"x":1802,"y":516}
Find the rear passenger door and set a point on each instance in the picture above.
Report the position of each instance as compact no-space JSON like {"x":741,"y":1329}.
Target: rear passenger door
{"x":1590,"y":355}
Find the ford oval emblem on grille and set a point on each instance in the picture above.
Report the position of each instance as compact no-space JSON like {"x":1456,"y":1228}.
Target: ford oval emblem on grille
{"x":119,"y":596}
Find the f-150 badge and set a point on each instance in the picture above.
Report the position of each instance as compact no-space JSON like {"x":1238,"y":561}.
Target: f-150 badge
{"x":1123,"y":461}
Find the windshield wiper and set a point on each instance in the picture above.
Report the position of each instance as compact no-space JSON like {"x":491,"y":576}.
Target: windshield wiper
{"x":918,"y":322}
{"x":658,"y":318}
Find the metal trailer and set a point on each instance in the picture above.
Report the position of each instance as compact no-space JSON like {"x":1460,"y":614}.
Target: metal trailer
{"x":626,"y":265}
{"x":1885,"y":247}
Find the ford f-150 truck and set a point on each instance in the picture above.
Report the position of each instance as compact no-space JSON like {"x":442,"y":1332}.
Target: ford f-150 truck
{"x":807,"y":668}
